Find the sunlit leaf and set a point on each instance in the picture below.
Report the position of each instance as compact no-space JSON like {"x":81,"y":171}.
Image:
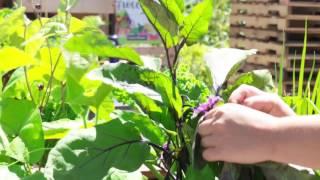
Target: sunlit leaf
{"x":196,"y":24}
{"x":162,"y":20}
{"x":60,"y":128}
{"x":96,"y":43}
{"x":12,"y":58}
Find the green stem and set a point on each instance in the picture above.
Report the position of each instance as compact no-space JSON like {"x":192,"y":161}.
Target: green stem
{"x":154,"y":171}
{"x":28,"y":84}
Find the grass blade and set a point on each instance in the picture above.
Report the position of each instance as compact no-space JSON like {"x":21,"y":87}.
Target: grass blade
{"x":280,"y":82}
{"x":303,"y":60}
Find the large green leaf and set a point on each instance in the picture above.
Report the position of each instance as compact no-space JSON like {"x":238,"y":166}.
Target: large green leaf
{"x":196,"y":24}
{"x":84,"y":91}
{"x":155,"y":110}
{"x":12,"y":58}
{"x":96,"y":43}
{"x":148,"y":129}
{"x":60,"y":128}
{"x":157,"y":81}
{"x":90,"y":153}
{"x":147,"y":100}
{"x":24,"y":123}
{"x":163,"y":20}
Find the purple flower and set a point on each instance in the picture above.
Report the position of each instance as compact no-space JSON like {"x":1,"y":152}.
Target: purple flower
{"x":206,"y":107}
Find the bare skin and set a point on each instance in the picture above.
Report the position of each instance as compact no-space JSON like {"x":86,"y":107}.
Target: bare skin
{"x":257,"y":127}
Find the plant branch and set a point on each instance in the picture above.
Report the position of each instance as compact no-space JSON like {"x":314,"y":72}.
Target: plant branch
{"x":48,"y":89}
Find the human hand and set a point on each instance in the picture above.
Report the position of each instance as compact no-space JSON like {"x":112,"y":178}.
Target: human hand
{"x":235,"y":133}
{"x":254,"y":98}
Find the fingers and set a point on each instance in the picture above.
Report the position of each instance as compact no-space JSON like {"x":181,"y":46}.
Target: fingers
{"x":260,"y":103}
{"x":206,"y":127}
{"x":244,"y":91}
{"x":212,"y":154}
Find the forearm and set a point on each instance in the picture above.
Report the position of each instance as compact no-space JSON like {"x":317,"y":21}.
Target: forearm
{"x":296,"y":140}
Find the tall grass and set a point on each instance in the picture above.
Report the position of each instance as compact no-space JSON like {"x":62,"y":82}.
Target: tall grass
{"x":306,"y":101}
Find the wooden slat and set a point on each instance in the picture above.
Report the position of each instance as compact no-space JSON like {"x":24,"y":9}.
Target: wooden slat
{"x":304,"y":4}
{"x":260,"y":9}
{"x":259,"y":34}
{"x":304,"y":17}
{"x":262,"y":1}
{"x":302,"y":30}
{"x":258,"y":22}
{"x":262,"y":47}
{"x":265,"y":60}
{"x":300,"y":44}
{"x":83,"y":6}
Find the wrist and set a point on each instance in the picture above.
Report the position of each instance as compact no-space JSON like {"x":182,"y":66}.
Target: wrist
{"x":272,"y":132}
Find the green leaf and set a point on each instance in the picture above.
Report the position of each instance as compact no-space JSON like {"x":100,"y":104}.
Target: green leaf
{"x":66,"y":5}
{"x":157,"y":81}
{"x":25,"y":123}
{"x":174,"y":9}
{"x":162,"y":20}
{"x":96,"y":43}
{"x":148,"y":129}
{"x":196,"y":24}
{"x":35,"y":176}
{"x":90,"y":153}
{"x":155,"y":110}
{"x":12,"y":58}
{"x":223,"y":63}
{"x":60,"y":128}
{"x":147,"y":100}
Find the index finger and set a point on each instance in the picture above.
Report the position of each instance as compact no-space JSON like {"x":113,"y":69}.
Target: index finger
{"x":244,"y":91}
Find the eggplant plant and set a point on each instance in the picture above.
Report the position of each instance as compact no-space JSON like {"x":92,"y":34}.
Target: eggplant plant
{"x":58,"y":118}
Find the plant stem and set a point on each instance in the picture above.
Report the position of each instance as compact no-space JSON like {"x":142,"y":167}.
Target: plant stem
{"x":25,"y":68}
{"x":28,"y":83}
{"x":154,"y":171}
{"x":49,"y":86}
